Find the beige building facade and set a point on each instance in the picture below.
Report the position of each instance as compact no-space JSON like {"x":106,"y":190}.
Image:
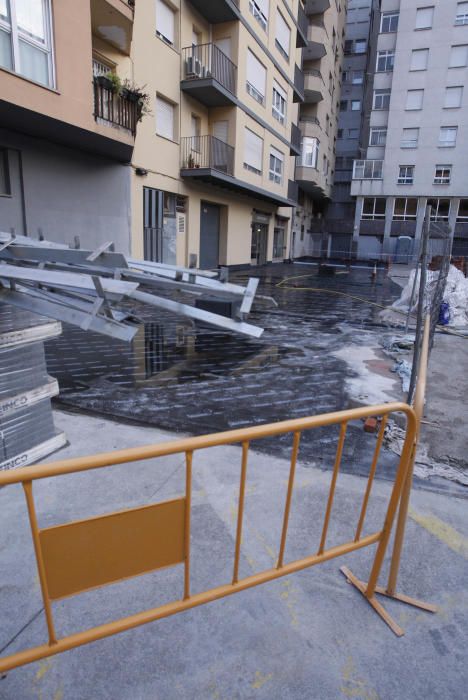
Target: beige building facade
{"x":213,"y":165}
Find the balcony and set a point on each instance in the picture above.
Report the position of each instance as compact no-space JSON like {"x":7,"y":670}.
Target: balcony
{"x":112,"y":21}
{"x":217,"y":11}
{"x":207,"y":159}
{"x":311,"y":180}
{"x":313,"y":86}
{"x":316,"y":48}
{"x":367,"y":170}
{"x":209,"y":75}
{"x":298,"y":89}
{"x":313,"y":7}
{"x":302,"y":25}
{"x":115,"y":110}
{"x":310,"y":126}
{"x":296,"y":136}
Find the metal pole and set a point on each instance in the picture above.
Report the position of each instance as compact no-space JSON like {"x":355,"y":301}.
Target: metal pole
{"x":420,"y":316}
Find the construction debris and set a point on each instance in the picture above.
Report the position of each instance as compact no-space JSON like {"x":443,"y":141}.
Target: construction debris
{"x":91,"y":289}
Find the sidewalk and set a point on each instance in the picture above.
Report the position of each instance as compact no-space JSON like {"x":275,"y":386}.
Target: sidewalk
{"x":306,"y":636}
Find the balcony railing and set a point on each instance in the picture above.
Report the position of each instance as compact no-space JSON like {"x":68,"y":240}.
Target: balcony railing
{"x":302,"y":25}
{"x":201,"y":152}
{"x":367,"y":169}
{"x":298,"y":90}
{"x":114,"y":108}
{"x":208,"y":61}
{"x":296,"y":138}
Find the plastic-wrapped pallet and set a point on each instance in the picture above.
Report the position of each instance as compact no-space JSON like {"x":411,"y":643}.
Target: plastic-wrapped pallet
{"x":27,"y":431}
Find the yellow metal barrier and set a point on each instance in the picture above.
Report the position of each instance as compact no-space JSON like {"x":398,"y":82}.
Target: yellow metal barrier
{"x":77,"y":556}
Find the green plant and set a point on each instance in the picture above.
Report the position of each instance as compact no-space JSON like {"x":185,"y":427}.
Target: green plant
{"x":136,"y":94}
{"x":116,"y":82}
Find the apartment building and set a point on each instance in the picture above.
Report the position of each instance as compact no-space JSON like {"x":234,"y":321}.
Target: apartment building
{"x":65,"y":140}
{"x":416,"y":153}
{"x":213,"y":168}
{"x":315,"y":167}
{"x":353,"y":123}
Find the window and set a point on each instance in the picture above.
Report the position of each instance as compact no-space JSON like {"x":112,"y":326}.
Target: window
{"x":373,"y":208}
{"x":448,"y":136}
{"x":283,"y":35}
{"x":165,"y":112}
{"x":259,"y":9}
{"x":406,"y":175}
{"x":405,"y":209}
{"x":253,"y":152}
{"x":360,"y":46}
{"x":344,"y":106}
{"x":463,"y":211}
{"x":440,"y":209}
{"x":381,"y":99}
{"x":165,"y":22}
{"x":410,"y":138}
{"x":389,"y":22}
{"x":340,"y":133}
{"x":453,"y":97}
{"x":419,"y":59}
{"x":414,"y":99}
{"x":278,"y":242}
{"x":358,"y":77}
{"x":309,"y":152}
{"x":26,"y":39}
{"x":367,"y":169}
{"x":195,"y":131}
{"x":353,"y":133}
{"x":378,"y":137}
{"x":462,"y":13}
{"x":4,"y":173}
{"x":442,"y":174}
{"x":348,"y":47}
{"x":278,"y":107}
{"x":458,"y":56}
{"x":385,"y":61}
{"x":276,"y":166}
{"x":256,"y":78}
{"x":424,"y":16}
{"x":355,"y":105}
{"x":102,"y":66}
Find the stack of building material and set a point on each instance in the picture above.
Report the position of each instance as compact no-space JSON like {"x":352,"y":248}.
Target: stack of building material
{"x":27,"y":431}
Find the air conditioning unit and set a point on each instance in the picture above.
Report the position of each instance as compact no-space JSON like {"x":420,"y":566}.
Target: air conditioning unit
{"x":194,"y":68}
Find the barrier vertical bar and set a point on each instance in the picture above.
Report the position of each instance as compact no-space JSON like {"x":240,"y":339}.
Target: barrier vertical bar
{"x":336,"y":468}
{"x":405,"y":497}
{"x":188,"y":505}
{"x":287,"y":508}
{"x":370,"y":480}
{"x":27,"y":487}
{"x":240,"y":510}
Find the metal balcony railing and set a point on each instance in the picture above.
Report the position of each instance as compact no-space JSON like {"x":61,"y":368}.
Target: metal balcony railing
{"x":296,"y":138}
{"x":198,"y":152}
{"x":114,"y":108}
{"x":208,"y":61}
{"x":367,"y":169}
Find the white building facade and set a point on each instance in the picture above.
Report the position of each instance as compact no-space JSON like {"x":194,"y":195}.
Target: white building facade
{"x":417,"y":152}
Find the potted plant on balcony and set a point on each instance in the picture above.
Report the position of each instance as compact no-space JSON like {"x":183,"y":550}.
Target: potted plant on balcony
{"x":110,"y":81}
{"x":135,"y":94}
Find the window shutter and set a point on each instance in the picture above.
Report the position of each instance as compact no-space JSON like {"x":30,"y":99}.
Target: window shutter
{"x":253,"y":150}
{"x":419,"y":58}
{"x":283,"y":33}
{"x":256,"y":73}
{"x":414,"y":99}
{"x":220,"y":130}
{"x":276,"y":154}
{"x":458,"y":56}
{"x":279,"y":90}
{"x":424,"y":17}
{"x":165,"y":21}
{"x":453,"y":96}
{"x":164,"y":118}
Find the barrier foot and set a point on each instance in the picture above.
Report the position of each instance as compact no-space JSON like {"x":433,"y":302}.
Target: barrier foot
{"x":379,"y":609}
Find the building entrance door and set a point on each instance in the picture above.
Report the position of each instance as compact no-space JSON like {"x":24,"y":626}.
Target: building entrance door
{"x":209,"y":236}
{"x":259,"y":243}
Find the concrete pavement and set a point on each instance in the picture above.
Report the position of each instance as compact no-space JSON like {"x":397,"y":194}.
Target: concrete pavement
{"x":306,"y":636}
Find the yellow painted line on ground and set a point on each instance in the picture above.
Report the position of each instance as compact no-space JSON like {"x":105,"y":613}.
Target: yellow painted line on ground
{"x":445,"y":533}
